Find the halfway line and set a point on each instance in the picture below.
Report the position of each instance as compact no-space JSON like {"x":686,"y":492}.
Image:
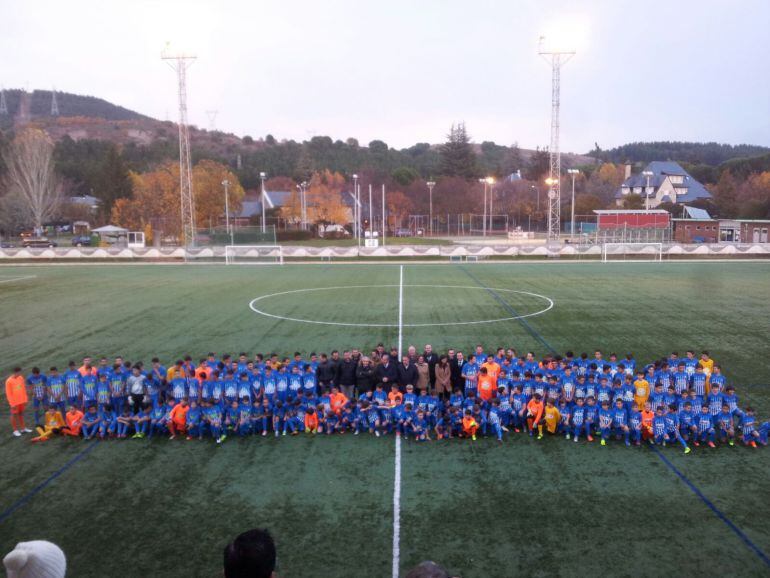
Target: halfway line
{"x":397,"y":473}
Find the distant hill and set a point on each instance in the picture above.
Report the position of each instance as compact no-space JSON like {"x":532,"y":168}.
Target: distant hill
{"x":145,"y":141}
{"x":27,"y":106}
{"x":709,"y":153}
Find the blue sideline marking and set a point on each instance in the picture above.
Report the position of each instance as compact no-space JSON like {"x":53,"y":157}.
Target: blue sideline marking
{"x":40,"y":487}
{"x":729,"y":523}
{"x":532,"y":331}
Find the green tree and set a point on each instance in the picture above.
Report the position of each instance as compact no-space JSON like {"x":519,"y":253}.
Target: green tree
{"x":457,"y":156}
{"x":538,"y":166}
{"x":633,"y":202}
{"x":405,"y":176}
{"x":112,"y":181}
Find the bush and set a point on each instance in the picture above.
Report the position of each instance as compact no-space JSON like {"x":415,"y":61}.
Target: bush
{"x":293,"y":235}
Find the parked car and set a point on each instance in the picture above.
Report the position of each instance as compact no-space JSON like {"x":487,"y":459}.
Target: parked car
{"x":7,"y":245}
{"x":81,"y":241}
{"x":37,"y":242}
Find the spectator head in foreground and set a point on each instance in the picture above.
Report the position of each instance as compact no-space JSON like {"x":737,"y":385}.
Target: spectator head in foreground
{"x":250,"y":555}
{"x":36,"y":559}
{"x":428,"y":569}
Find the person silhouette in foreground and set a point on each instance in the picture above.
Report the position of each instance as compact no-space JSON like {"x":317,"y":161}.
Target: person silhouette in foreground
{"x":250,"y":555}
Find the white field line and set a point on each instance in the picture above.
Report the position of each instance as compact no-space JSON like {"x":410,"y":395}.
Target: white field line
{"x":253,"y":306}
{"x":12,"y":279}
{"x":397,"y":473}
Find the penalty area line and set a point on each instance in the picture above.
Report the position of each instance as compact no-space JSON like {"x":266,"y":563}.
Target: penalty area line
{"x":12,"y":279}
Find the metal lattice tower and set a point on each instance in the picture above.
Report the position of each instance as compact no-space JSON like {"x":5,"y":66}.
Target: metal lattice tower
{"x":54,"y":104}
{"x":556,"y":59}
{"x":212,"y":114}
{"x":180,"y":63}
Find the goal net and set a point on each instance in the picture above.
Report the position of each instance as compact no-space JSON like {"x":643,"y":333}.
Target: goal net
{"x":632,"y":252}
{"x":253,"y":255}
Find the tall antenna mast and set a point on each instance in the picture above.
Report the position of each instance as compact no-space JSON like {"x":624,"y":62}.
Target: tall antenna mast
{"x":54,"y":104}
{"x":180,"y":62}
{"x":556,"y":59}
{"x":212,"y":114}
{"x":3,"y":104}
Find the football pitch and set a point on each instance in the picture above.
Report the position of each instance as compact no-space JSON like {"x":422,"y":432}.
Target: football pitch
{"x":526,"y":507}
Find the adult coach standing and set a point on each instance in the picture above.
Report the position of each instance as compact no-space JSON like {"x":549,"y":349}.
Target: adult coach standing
{"x":16,"y":394}
{"x":432,"y":359}
{"x":346,"y":375}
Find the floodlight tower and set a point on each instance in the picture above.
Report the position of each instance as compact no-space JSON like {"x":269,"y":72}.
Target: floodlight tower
{"x":54,"y":104}
{"x":556,"y":58}
{"x":180,"y":62}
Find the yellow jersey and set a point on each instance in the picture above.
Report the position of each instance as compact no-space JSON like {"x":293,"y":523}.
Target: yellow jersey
{"x":552,"y":417}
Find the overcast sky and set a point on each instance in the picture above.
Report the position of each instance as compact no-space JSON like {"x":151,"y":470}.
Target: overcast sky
{"x":404,"y":71}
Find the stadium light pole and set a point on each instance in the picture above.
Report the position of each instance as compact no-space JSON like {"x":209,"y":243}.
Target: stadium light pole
{"x":303,"y":188}
{"x":371,"y":222}
{"x":484,"y":216}
{"x":228,"y":230}
{"x":647,"y":174}
{"x":262,"y":177}
{"x":355,"y":206}
{"x":491,"y":183}
{"x":573,"y":173}
{"x":431,"y":184}
{"x":384,"y":221}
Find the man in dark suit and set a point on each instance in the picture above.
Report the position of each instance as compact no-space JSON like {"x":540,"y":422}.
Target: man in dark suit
{"x":407,"y":372}
{"x":456,"y":368}
{"x":387,"y":372}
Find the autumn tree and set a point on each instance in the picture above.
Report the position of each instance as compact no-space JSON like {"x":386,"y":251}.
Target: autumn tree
{"x":726,"y":195}
{"x":210,"y":193}
{"x":30,"y":176}
{"x":155,"y":199}
{"x":605,"y":181}
{"x":399,"y":206}
{"x":324,"y":199}
{"x":292,"y":209}
{"x":585,"y":205}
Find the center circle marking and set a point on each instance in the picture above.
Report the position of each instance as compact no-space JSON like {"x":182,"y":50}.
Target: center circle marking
{"x":253,"y":306}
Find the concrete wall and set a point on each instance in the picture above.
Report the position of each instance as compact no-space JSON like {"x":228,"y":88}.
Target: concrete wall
{"x":85,"y":254}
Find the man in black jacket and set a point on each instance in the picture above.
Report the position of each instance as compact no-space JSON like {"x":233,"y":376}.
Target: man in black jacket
{"x":431,"y":359}
{"x":346,"y":375}
{"x":365,"y":376}
{"x":456,"y":369}
{"x":407,"y":372}
{"x":387,"y":372}
{"x":325,"y":373}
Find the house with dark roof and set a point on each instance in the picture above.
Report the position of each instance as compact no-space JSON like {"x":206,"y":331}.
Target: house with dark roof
{"x":668,"y":183}
{"x":251,"y":205}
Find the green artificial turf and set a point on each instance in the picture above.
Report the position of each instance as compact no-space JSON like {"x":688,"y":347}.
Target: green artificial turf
{"x":142,"y":508}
